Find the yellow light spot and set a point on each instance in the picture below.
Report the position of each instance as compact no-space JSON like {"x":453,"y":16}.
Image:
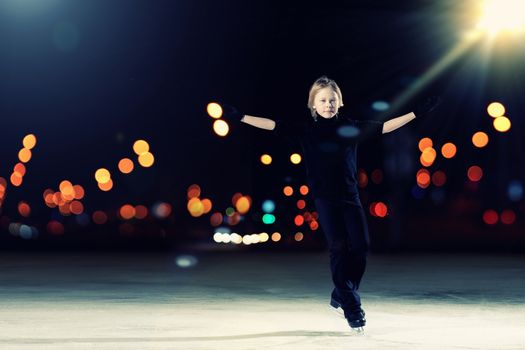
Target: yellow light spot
{"x":125,"y":165}
{"x":295,"y":158}
{"x":428,"y":156}
{"x":24,"y":155}
{"x":140,"y":146}
{"x":221,"y":128}
{"x":276,"y":236}
{"x":102,"y":176}
{"x":243,"y":205}
{"x":424,"y":143}
{"x":29,"y":141}
{"x":195,"y":207}
{"x":288,"y":191}
{"x":106,"y":186}
{"x":448,"y":150}
{"x":496,"y":109}
{"x":214,"y":110}
{"x":266,"y":159}
{"x":502,"y":124}
{"x":146,"y":159}
{"x":263,"y":237}
{"x":480,"y":139}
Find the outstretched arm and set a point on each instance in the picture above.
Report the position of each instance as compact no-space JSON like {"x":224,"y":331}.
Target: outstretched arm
{"x":258,"y":122}
{"x":396,"y":123}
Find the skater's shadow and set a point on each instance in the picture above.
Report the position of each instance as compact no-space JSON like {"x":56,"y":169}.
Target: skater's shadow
{"x":298,"y":333}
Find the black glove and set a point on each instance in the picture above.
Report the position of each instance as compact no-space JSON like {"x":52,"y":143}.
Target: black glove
{"x":427,"y":106}
{"x":230,"y":114}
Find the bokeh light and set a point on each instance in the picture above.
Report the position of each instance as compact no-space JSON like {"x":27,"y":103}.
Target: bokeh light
{"x":161,"y":210}
{"x":515,"y":190}
{"x":194,"y":191}
{"x":102,"y":176}
{"x":425,"y":143}
{"x":243,"y":205}
{"x":29,"y":141}
{"x":480,"y":139}
{"x":107,"y":186}
{"x":301,"y":204}
{"x":303,"y":190}
{"x":221,"y":128}
{"x":439,"y":178}
{"x":99,"y":217}
{"x":298,"y":236}
{"x":490,"y":217}
{"x":362,"y":178}
{"x":423,"y":178}
{"x":288,"y":191}
{"x":496,"y":109}
{"x":502,"y":124}
{"x":508,"y":217}
{"x":127,"y":211}
{"x":428,"y":156}
{"x":449,"y":150}
{"x":214,"y":110}
{"x":125,"y":165}
{"x":295,"y":158}
{"x":299,"y":220}
{"x":268,"y":206}
{"x":20,"y":168}
{"x":268,"y":219}
{"x":266,"y":159}
{"x":140,"y":147}
{"x":276,"y":236}
{"x":24,"y":155}
{"x":377,"y":176}
{"x":146,"y":159}
{"x":474,"y":173}
{"x":24,"y":209}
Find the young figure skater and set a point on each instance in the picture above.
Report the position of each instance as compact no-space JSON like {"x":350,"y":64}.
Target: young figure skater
{"x":329,"y":143}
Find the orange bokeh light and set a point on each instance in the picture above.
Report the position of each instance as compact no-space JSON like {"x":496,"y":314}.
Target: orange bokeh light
{"x":24,"y":155}
{"x":125,"y":165}
{"x":424,"y":143}
{"x":106,"y":186}
{"x":303,"y":190}
{"x":29,"y":141}
{"x":480,"y":139}
{"x":448,"y":150}
{"x":288,"y":191}
{"x":127,"y":211}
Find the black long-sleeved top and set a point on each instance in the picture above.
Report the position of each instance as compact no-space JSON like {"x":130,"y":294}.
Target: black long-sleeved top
{"x":329,"y":151}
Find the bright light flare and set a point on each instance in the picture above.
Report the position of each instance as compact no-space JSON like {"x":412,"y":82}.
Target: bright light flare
{"x":502,"y":15}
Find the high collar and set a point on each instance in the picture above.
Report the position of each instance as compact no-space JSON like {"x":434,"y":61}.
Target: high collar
{"x":321,"y":119}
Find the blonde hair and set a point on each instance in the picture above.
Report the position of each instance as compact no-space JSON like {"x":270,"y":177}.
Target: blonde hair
{"x":319,"y":84}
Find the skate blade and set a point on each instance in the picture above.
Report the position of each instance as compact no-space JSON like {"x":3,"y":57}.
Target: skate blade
{"x":339,"y":312}
{"x":358,"y":330}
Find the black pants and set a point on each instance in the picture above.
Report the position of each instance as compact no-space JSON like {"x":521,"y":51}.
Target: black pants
{"x":346,"y":231}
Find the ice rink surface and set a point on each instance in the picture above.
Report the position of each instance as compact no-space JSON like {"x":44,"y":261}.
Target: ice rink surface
{"x":257,"y":300}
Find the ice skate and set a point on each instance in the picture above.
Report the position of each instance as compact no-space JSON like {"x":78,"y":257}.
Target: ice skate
{"x":356,"y":320}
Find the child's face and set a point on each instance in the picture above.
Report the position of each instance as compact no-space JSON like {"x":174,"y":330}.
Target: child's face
{"x":326,"y":102}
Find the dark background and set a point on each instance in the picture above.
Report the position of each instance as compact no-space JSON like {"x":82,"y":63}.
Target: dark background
{"x":88,"y":78}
